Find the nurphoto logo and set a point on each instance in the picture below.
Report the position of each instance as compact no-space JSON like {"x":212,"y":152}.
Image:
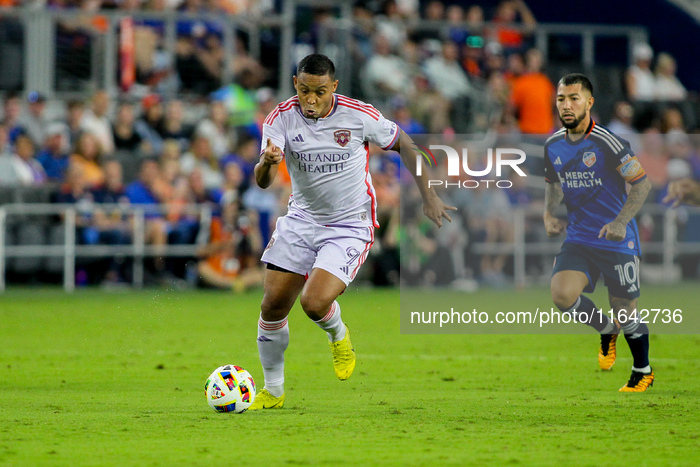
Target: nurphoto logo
{"x":459,"y":165}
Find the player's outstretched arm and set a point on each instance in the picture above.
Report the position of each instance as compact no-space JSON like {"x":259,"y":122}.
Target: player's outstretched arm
{"x":266,"y":168}
{"x":616,"y":230}
{"x":683,"y":191}
{"x":433,"y":207}
{"x":553,"y":194}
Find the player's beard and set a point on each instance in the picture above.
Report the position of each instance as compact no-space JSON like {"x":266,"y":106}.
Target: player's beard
{"x":574,"y":123}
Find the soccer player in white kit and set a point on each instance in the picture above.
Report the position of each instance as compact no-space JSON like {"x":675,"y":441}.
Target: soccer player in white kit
{"x":319,"y":246}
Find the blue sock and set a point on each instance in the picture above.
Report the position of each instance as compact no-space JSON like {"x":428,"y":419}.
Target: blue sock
{"x":584,"y":305}
{"x":637,"y":337}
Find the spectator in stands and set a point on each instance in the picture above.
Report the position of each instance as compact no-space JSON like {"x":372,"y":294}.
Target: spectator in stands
{"x":34,"y":122}
{"x":54,"y":156}
{"x":667,"y":87}
{"x":428,"y":106}
{"x":230,"y":260}
{"x":75,"y":190}
{"x":97,"y":122}
{"x":216,"y":129}
{"x":242,"y":60}
{"x":621,"y":124}
{"x":6,"y":169}
{"x":196,"y":75}
{"x":639,"y":79}
{"x":445,"y":73}
{"x":490,"y":221}
{"x":401,"y":114}
{"x":391,"y":25}
{"x":474,"y":18}
{"x":447,"y":77}
{"x":147,"y":126}
{"x":379,"y":84}
{"x":672,"y":121}
{"x":170,"y":169}
{"x":4,"y":140}
{"x":473,"y":56}
{"x":532,"y":97}
{"x":27,"y":170}
{"x":12,"y":111}
{"x":200,"y":194}
{"x":266,"y":203}
{"x":500,"y":92}
{"x":151,"y":190}
{"x":679,"y":147}
{"x":246,"y":156}
{"x":112,"y":191}
{"x":87,"y":154}
{"x":640,"y":84}
{"x":154,"y":64}
{"x":653,"y":155}
{"x":678,"y":169}
{"x":494,"y":58}
{"x":233,"y":178}
{"x":363,"y":29}
{"x":124,"y":133}
{"x":111,"y":226}
{"x":171,"y":150}
{"x":684,"y":190}
{"x":74,"y":119}
{"x":515,"y":67}
{"x":434,"y":11}
{"x":510,"y":34}
{"x":201,"y":157}
{"x":457,"y":32}
{"x":173,"y":125}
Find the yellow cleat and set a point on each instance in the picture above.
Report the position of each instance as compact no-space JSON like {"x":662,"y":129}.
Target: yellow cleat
{"x":265,"y":400}
{"x":343,"y":356}
{"x":607,"y":352}
{"x":639,"y":382}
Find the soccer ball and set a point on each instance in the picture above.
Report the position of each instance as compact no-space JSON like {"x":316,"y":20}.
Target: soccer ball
{"x":230,"y":389}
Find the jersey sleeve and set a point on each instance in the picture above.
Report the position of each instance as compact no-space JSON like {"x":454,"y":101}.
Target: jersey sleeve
{"x":273,"y":128}
{"x":550,"y":173}
{"x":379,"y":130}
{"x":627,"y":164}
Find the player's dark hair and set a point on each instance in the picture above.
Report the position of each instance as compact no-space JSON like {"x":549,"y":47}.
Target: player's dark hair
{"x":577,"y":78}
{"x":317,"y":65}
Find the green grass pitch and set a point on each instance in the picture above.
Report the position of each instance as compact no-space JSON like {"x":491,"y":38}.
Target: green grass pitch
{"x":117,"y":379}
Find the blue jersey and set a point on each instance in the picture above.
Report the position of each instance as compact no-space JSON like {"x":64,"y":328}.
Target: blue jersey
{"x":592,"y":172}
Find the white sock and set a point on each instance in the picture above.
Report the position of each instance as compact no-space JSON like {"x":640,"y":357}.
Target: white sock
{"x":332,"y":323}
{"x":273,"y":339}
{"x":646,"y":369}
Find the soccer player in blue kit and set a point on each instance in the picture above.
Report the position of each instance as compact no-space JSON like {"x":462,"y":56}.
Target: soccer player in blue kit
{"x":588,"y":168}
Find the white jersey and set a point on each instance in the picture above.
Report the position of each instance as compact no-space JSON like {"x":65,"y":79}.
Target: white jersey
{"x":328,"y":158}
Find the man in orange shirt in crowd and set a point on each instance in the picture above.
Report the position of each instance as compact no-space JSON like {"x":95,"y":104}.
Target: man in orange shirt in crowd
{"x":532,"y":97}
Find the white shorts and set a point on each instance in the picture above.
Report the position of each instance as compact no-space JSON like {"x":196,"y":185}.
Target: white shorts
{"x":299,"y":246}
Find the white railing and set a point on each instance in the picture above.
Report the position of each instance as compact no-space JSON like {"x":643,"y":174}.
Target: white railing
{"x":668,"y":247}
{"x":70,"y":250}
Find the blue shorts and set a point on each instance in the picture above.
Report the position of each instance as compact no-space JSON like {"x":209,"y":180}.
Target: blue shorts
{"x":620,"y":271}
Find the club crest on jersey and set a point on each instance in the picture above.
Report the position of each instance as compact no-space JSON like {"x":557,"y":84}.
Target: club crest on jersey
{"x":342,"y":137}
{"x":589,"y":158}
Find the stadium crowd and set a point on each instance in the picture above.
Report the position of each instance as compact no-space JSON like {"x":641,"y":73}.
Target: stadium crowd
{"x":470,"y":71}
